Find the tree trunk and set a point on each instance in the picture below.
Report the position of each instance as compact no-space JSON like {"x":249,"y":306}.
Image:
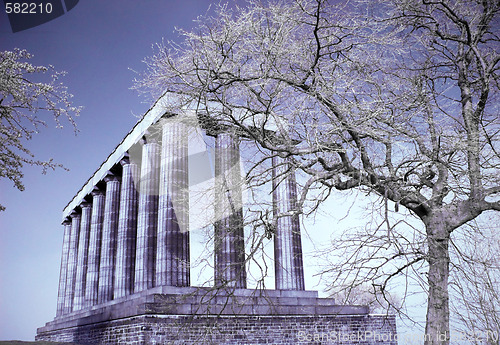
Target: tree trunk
{"x":437,"y":328}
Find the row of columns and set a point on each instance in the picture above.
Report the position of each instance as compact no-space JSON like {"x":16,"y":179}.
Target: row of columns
{"x":124,"y":239}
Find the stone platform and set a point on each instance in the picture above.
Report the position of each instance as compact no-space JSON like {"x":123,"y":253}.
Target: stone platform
{"x":190,"y":315}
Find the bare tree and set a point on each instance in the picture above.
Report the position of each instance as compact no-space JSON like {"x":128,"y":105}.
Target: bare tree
{"x":21,"y":99}
{"x":397,"y":98}
{"x":366,"y":295}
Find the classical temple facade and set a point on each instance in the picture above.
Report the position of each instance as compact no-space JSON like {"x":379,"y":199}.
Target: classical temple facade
{"x":125,"y":267}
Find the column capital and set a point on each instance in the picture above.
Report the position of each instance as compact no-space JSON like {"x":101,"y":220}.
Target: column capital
{"x":85,"y":204}
{"x":97,"y":191}
{"x":211,"y":126}
{"x":149,"y":138}
{"x":111,"y":177}
{"x":75,"y":214}
{"x":66,"y":221}
{"x":125,"y":160}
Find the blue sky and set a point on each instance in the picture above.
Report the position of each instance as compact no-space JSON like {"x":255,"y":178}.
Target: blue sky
{"x":97,"y":43}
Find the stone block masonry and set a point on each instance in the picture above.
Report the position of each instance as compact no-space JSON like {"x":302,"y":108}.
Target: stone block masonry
{"x":189,"y":315}
{"x":233,"y":330}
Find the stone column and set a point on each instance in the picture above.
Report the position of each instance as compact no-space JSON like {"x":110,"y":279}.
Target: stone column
{"x":229,"y":235}
{"x":64,"y":267}
{"x":96,"y":223}
{"x":147,"y":218}
{"x":289,"y":269}
{"x":83,"y":251}
{"x":109,"y":234}
{"x":172,"y":258}
{"x":127,"y":231}
{"x":72,"y":262}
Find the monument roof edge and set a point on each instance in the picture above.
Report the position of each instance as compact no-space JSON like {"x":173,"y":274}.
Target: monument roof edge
{"x":150,"y":117}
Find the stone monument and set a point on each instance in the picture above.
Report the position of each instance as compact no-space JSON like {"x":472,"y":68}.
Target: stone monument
{"x":125,"y":267}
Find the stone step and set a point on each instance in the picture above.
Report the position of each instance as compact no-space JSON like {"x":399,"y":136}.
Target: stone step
{"x":207,"y":301}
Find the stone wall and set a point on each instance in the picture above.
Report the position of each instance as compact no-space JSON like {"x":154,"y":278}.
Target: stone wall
{"x":233,"y":330}
{"x":189,"y":315}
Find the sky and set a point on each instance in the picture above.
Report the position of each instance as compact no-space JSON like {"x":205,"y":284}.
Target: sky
{"x":100,"y":44}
